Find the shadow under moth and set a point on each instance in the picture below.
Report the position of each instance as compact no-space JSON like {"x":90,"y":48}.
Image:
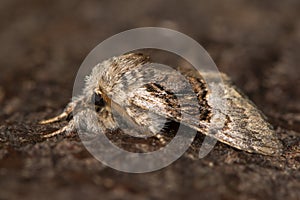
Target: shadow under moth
{"x":141,"y":94}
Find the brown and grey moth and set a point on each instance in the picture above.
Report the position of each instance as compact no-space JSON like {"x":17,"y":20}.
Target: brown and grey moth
{"x":112,"y":85}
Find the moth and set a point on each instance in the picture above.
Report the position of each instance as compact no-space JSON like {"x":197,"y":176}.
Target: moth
{"x":113,"y":85}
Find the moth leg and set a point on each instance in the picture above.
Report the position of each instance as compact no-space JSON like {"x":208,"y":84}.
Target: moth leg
{"x":161,"y":139}
{"x":64,"y":115}
{"x":57,"y":132}
{"x":66,"y":129}
{"x":55,"y":119}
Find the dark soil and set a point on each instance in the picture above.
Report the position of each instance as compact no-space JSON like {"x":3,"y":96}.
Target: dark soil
{"x":42,"y":46}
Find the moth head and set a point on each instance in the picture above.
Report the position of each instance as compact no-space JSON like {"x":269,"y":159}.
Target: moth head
{"x":98,"y":101}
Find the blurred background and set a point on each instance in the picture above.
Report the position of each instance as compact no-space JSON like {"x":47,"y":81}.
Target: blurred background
{"x":42,"y":44}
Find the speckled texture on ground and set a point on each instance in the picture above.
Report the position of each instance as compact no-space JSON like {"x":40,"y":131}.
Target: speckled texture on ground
{"x":43,"y":44}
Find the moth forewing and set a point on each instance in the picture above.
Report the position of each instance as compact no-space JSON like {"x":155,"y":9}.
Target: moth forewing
{"x":144,"y":95}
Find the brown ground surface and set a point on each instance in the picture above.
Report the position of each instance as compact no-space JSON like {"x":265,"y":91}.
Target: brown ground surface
{"x":42,"y":46}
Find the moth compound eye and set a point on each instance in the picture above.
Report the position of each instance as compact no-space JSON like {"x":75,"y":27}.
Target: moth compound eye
{"x":97,"y":99}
